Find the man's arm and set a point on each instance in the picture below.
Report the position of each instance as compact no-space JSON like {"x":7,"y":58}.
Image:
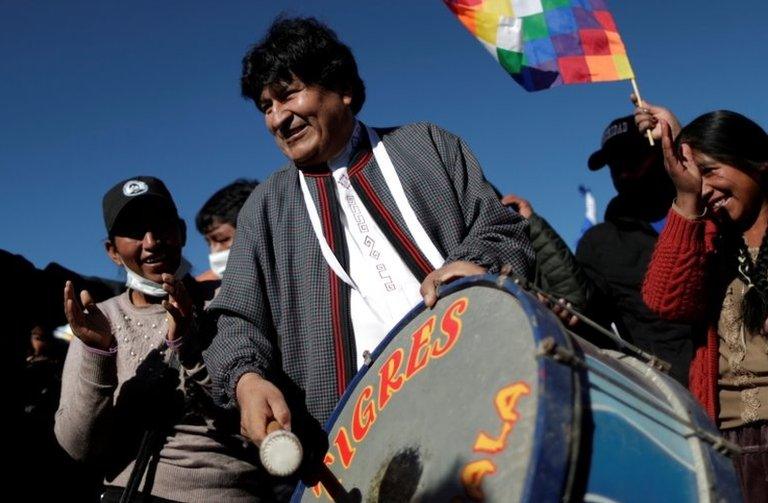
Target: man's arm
{"x":244,"y":349}
{"x":494,"y":237}
{"x":557,"y":271}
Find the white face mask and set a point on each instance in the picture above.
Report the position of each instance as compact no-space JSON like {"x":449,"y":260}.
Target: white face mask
{"x":148,"y":287}
{"x":218,"y":262}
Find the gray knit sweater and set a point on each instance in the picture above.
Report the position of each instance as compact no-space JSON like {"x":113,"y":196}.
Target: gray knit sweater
{"x":107,"y":400}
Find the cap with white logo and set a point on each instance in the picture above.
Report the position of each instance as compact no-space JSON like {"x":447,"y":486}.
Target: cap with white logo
{"x":132,"y":191}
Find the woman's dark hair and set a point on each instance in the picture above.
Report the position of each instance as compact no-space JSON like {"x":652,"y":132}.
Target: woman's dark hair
{"x":308,"y":49}
{"x":224,"y":205}
{"x":727,"y":137}
{"x":731,"y":138}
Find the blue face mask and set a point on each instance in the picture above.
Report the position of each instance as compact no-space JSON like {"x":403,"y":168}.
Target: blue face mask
{"x":148,"y":287}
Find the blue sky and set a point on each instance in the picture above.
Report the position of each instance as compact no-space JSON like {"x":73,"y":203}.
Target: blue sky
{"x":96,"y":91}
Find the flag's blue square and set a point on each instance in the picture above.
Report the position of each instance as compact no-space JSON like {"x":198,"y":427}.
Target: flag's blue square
{"x":561,"y":21}
{"x":538,"y":51}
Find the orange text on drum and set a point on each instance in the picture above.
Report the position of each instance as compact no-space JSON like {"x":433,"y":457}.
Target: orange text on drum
{"x":369,"y":403}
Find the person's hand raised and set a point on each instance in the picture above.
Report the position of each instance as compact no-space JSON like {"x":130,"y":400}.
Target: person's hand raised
{"x":87,"y":321}
{"x":648,"y":117}
{"x":179,"y":307}
{"x":685,"y":174}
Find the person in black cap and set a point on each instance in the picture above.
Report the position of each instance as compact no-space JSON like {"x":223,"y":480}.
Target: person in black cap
{"x":615,"y":254}
{"x":134,"y":390}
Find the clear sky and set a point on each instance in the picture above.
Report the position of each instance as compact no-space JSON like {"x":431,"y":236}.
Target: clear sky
{"x":92,"y":92}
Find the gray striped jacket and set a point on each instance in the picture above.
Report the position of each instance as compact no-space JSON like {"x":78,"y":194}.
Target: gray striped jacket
{"x":283,"y":312}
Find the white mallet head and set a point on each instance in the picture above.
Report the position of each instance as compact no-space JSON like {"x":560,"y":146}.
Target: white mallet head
{"x":280,"y":453}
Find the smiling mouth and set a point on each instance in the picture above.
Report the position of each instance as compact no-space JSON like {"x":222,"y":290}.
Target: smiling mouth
{"x":720,"y":203}
{"x":291,"y":134}
{"x":154,"y":259}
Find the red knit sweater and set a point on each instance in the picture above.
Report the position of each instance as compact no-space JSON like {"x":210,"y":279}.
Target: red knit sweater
{"x":675,"y":287}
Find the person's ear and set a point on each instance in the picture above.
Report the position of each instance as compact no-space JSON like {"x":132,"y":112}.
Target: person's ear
{"x":347,"y":96}
{"x":111,"y":249}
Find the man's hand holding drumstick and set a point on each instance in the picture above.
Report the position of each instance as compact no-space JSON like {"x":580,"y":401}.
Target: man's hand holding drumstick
{"x":260,"y":401}
{"x":265,"y":420}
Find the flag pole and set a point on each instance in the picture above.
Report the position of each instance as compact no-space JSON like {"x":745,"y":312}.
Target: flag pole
{"x":640,"y":104}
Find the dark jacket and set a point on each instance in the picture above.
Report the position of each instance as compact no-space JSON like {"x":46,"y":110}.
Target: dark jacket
{"x":615,"y":256}
{"x":557,"y":271}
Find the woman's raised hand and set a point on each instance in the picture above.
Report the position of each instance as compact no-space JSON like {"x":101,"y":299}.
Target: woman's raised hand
{"x":648,"y":118}
{"x":87,"y":321}
{"x":684,"y":173}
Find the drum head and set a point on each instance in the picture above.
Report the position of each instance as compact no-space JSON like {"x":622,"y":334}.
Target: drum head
{"x":457,"y":406}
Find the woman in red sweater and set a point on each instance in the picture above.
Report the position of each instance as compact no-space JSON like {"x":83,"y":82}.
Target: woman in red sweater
{"x":710,"y":266}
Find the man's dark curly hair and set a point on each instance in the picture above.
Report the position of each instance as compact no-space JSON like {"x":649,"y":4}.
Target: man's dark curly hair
{"x":308,"y":49}
{"x":224,"y":205}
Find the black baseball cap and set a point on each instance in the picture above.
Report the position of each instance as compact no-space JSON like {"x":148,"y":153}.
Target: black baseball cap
{"x":621,"y":136}
{"x":133,"y":191}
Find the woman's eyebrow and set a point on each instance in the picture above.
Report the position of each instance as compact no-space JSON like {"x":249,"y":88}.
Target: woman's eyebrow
{"x":706,"y":164}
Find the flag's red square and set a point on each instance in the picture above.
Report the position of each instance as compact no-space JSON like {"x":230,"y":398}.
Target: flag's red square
{"x":574,"y":69}
{"x":594,"y":42}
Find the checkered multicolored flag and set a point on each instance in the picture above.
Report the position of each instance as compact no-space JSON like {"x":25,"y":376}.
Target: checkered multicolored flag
{"x":546,"y":43}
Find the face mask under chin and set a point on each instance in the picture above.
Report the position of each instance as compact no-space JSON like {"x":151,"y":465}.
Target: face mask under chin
{"x":148,"y":287}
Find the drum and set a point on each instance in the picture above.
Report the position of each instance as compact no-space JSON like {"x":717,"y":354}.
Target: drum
{"x":486,"y":397}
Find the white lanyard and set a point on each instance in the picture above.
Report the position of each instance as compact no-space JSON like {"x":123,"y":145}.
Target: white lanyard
{"x":393,"y":182}
{"x":421,"y":237}
{"x":314,"y":217}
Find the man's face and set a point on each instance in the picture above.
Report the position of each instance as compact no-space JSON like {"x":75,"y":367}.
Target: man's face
{"x":220,"y":236}
{"x":310,"y":124}
{"x":630,"y":171}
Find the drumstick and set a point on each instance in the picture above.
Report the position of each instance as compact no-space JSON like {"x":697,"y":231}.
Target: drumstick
{"x":280,"y":451}
{"x":335,"y":490}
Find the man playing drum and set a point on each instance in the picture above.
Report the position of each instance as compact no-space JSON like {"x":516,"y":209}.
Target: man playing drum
{"x":335,"y":247}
